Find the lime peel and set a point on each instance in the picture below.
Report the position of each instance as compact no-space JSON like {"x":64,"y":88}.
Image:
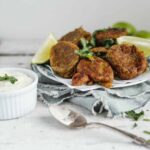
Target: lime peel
{"x":143,"y":34}
{"x":126,"y":25}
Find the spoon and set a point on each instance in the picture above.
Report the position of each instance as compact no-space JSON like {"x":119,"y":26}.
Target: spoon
{"x":73,"y":119}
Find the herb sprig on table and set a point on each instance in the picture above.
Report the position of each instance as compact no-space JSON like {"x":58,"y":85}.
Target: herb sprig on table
{"x":146,"y":132}
{"x":134,"y":116}
{"x":11,"y":79}
{"x":146,"y":119}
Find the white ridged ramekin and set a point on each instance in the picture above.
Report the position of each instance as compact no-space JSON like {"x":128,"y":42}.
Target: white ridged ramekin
{"x":17,"y":103}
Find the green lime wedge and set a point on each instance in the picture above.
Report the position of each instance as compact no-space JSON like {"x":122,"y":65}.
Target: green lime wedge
{"x":141,"y":43}
{"x":125,"y":25}
{"x":43,"y":54}
{"x":143,"y":34}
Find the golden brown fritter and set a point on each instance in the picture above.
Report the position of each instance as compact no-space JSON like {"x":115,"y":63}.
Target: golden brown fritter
{"x":127,"y":61}
{"x":63,"y":59}
{"x":98,"y":71}
{"x":106,"y":34}
{"x":79,"y":79}
{"x":76,"y":35}
{"x":100,"y":51}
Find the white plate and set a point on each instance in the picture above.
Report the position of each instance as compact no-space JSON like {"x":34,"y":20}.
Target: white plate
{"x":116,"y":83}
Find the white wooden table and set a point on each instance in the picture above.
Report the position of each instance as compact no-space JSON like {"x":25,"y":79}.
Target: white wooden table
{"x":39,"y":130}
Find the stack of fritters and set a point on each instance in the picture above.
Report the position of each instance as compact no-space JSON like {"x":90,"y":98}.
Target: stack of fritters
{"x":125,"y":61}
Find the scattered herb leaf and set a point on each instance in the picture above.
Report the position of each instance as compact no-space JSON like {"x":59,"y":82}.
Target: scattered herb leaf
{"x":148,"y":141}
{"x":135,"y":116}
{"x":146,"y":119}
{"x":6,"y":77}
{"x":146,"y":132}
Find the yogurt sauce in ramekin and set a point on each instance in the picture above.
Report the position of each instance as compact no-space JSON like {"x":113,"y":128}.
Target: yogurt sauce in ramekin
{"x":23,"y":80}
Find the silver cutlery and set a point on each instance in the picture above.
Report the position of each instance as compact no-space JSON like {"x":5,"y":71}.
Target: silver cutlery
{"x":74,"y":119}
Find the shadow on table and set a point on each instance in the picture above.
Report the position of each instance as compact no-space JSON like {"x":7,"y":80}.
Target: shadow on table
{"x":53,"y":123}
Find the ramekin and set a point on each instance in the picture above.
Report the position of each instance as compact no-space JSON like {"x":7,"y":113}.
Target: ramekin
{"x":15,"y":104}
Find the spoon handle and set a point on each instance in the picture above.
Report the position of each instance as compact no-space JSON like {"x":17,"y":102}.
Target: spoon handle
{"x":137,"y":139}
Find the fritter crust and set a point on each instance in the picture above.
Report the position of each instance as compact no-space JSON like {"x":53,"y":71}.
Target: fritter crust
{"x":99,"y":50}
{"x":110,"y":33}
{"x":98,"y":71}
{"x":63,"y":59}
{"x":127,"y":61}
{"x":79,"y":79}
{"x":76,"y":35}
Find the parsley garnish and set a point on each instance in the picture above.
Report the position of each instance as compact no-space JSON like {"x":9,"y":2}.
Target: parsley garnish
{"x":135,"y":116}
{"x":146,"y":119}
{"x":148,"y":141}
{"x":85,"y":52}
{"x":146,"y":132}
{"x":107,"y":43}
{"x":12,"y":79}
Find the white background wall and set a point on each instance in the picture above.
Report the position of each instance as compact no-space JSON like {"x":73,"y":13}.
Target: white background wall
{"x":35,"y":18}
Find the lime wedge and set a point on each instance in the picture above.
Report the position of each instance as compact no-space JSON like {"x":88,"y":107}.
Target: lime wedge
{"x":143,"y":34}
{"x":128,"y":26}
{"x":43,"y":54}
{"x":141,"y":43}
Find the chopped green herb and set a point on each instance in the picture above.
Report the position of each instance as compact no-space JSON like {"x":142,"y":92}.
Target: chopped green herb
{"x":107,"y":43}
{"x":146,"y":132}
{"x":135,"y":125}
{"x":11,"y":79}
{"x":84,"y":43}
{"x":148,"y":141}
{"x":87,"y":44}
{"x":85,"y":52}
{"x":93,"y":42}
{"x":135,"y":116}
{"x":145,"y":119}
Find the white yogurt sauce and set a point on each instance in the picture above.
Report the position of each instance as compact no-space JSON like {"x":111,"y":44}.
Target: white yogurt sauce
{"x":22,"y":81}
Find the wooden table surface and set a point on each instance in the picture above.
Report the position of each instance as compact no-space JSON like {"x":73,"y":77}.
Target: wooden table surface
{"x":39,"y":130}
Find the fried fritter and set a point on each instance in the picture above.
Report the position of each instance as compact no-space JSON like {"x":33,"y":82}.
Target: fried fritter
{"x":98,"y":71}
{"x":108,"y":34}
{"x":79,"y":79}
{"x":100,"y":51}
{"x":63,"y":59}
{"x":76,"y":35}
{"x":127,"y":61}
